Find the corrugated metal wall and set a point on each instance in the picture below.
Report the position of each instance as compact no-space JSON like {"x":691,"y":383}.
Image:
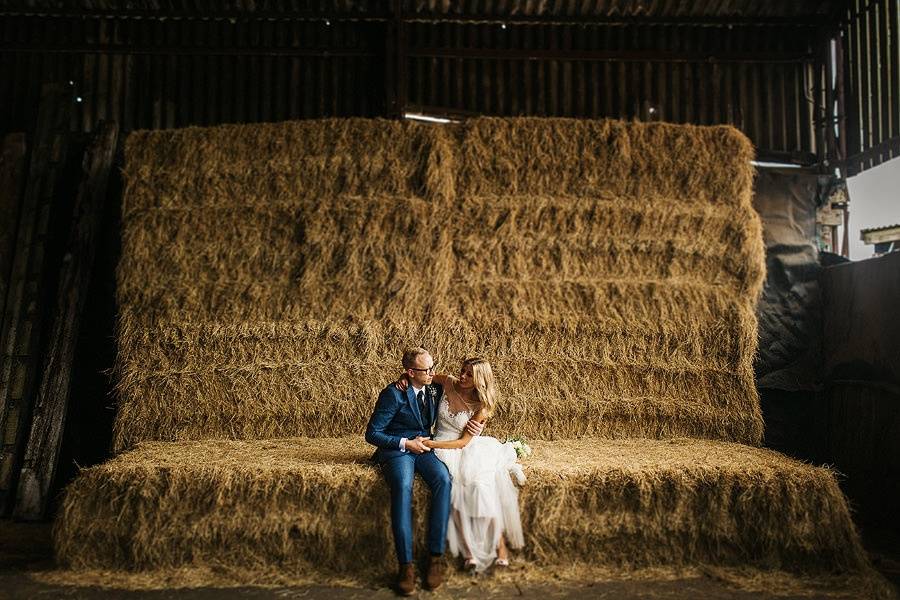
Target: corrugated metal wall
{"x":871,"y":65}
{"x":155,"y":73}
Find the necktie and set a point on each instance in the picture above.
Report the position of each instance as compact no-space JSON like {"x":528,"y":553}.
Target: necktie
{"x":421,"y":398}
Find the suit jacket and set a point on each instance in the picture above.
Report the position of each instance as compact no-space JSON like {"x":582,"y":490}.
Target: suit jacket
{"x":397,"y":415}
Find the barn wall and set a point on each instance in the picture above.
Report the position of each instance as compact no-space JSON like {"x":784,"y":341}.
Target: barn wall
{"x":869,"y":47}
{"x":160,"y":73}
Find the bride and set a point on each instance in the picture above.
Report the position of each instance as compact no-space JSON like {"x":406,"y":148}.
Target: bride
{"x":484,"y":516}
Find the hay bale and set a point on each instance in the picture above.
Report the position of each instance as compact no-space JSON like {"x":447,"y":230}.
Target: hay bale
{"x":298,"y":505}
{"x":609,"y":270}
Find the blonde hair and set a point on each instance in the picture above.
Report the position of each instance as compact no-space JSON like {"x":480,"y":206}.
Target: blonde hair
{"x":483,"y":378}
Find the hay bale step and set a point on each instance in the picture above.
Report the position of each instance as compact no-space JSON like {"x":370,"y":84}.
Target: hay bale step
{"x":317,"y":506}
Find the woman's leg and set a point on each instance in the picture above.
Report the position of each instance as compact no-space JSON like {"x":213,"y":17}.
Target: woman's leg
{"x":457,"y":520}
{"x":502,"y":552}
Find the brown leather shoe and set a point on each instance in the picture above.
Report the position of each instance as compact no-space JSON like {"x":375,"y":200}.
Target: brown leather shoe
{"x":406,"y":580}
{"x":435,"y":576}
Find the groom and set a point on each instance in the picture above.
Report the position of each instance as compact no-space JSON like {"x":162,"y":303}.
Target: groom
{"x":398,"y":425}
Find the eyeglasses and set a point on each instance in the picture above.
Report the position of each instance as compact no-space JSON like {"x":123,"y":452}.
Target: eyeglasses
{"x":429,"y":370}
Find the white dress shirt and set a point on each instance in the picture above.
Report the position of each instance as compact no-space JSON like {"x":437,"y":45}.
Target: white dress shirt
{"x":415,"y":395}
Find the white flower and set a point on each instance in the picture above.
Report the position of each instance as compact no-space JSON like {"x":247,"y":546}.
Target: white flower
{"x":520,"y":445}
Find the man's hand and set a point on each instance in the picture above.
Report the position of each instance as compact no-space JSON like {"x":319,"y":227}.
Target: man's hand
{"x":402,"y":382}
{"x":416,"y":446}
{"x":475,"y":427}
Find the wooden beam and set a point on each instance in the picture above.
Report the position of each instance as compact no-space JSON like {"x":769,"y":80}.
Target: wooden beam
{"x":49,"y":412}
{"x":23,"y":317}
{"x":811,"y":20}
{"x":162,"y":50}
{"x":610,"y":55}
{"x":873,"y":153}
{"x":205,"y":15}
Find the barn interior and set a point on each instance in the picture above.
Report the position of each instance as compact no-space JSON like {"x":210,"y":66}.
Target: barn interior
{"x":155,"y":153}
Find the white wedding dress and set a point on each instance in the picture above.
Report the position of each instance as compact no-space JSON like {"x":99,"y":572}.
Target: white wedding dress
{"x":483,"y":496}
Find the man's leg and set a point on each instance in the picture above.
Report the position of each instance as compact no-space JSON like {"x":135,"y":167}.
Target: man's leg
{"x":435,"y":474}
{"x":399,"y":473}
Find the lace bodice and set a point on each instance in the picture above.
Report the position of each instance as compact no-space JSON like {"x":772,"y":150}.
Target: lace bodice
{"x":449,"y":426}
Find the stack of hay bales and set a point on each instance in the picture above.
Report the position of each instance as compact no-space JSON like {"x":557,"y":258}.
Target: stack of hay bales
{"x":271,"y":276}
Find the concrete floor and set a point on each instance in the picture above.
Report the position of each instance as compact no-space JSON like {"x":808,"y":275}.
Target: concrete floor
{"x":25,"y":549}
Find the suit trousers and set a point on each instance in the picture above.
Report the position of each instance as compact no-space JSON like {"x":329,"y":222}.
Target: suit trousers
{"x":400,"y":472}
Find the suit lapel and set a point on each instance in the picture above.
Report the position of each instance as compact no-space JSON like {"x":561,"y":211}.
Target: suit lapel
{"x":411,"y":399}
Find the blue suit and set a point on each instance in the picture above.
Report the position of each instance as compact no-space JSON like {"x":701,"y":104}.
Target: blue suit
{"x":397,"y":416}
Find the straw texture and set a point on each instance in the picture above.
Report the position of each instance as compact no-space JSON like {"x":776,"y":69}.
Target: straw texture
{"x":313,"y":505}
{"x":272,"y":275}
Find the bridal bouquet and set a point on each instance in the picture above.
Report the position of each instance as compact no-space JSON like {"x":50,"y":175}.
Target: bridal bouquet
{"x":520,"y":445}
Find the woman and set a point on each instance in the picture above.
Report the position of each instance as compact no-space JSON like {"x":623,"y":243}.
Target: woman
{"x":484,"y":501}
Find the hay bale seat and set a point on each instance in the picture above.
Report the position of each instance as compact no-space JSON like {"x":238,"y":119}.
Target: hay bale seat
{"x":312,"y":506}
{"x":269,"y":281}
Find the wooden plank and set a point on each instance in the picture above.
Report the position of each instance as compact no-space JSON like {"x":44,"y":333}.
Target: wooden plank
{"x":865,"y":87}
{"x":471,"y":67}
{"x":401,"y":47}
{"x":442,"y":93}
{"x":703,"y":81}
{"x":662,"y":103}
{"x":730,"y":87}
{"x":226,"y":74}
{"x":851,"y":71}
{"x":628,"y":55}
{"x":86,"y":103}
{"x":169,"y":93}
{"x":567,"y":101}
{"x":580,"y":70}
{"x":12,"y":182}
{"x":884,"y":87}
{"x":501,"y":85}
{"x":438,"y":73}
{"x":690,"y":82}
{"x":893,"y":56}
{"x":157,"y":76}
{"x":266,"y":67}
{"x":22,"y":319}
{"x":49,"y":413}
{"x":608,"y":104}
{"x":100,"y":91}
{"x":675,"y":110}
{"x":128,"y":92}
{"x":240,"y":75}
{"x":647,"y":96}
{"x":254,"y":67}
{"x":282,"y":72}
{"x":213,"y":71}
{"x":527,"y":83}
{"x":621,"y":79}
{"x":875,"y":78}
{"x":116,"y":91}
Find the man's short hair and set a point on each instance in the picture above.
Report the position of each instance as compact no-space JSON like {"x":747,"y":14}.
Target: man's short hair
{"x":411,"y":354}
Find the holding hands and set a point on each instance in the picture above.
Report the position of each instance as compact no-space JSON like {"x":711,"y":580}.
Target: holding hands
{"x":418,"y":445}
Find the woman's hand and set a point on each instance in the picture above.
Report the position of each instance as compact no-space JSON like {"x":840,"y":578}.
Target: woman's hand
{"x":402,"y":382}
{"x":427,"y":443}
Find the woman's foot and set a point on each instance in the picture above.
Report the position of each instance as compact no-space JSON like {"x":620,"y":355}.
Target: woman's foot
{"x":502,"y":553}
{"x":470,"y":565}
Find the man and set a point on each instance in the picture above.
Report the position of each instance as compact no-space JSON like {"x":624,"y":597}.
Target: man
{"x":398,"y":425}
